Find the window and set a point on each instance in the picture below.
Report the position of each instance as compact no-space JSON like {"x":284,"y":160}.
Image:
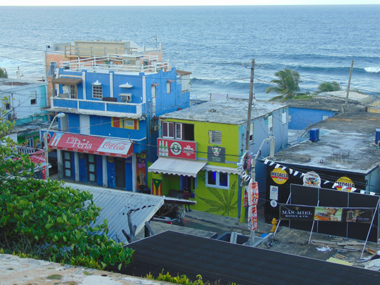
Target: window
{"x":284,"y":117}
{"x":270,"y":124}
{"x":30,"y":142}
{"x":97,"y":91}
{"x":91,"y":168}
{"x":215,"y":137}
{"x":72,"y":92}
{"x":125,"y":123}
{"x":217,"y":179}
{"x":33,"y":97}
{"x":179,"y":131}
{"x":7,"y":106}
{"x":168,"y":130}
{"x":67,"y":164}
{"x":168,"y":87}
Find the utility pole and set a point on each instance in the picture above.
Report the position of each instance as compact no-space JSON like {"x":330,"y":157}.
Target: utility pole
{"x":348,"y":86}
{"x":247,"y":136}
{"x":251,"y":85}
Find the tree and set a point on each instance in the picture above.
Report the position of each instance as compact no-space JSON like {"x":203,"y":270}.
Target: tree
{"x":3,"y":73}
{"x":287,"y":84}
{"x":328,"y":87}
{"x":46,"y":220}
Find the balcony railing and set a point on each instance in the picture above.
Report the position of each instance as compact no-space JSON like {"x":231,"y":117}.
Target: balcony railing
{"x":100,"y":106}
{"x":118,"y":64}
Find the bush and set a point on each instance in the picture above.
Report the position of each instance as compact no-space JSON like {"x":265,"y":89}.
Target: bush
{"x":46,"y":220}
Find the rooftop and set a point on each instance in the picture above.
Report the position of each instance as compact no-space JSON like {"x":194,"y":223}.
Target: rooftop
{"x":9,"y":84}
{"x":353,"y":133}
{"x":232,"y":111}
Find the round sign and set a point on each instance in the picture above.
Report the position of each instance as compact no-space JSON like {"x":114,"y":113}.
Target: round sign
{"x":175,"y":148}
{"x":273,"y":203}
{"x":344,"y":184}
{"x":279,"y":176}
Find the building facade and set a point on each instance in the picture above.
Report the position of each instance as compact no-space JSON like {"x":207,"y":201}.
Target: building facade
{"x":111,"y":117}
{"x":199,"y":149}
{"x":56,"y":54}
{"x":23,"y":102}
{"x":341,"y":154}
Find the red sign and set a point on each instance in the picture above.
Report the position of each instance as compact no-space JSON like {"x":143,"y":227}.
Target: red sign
{"x":253,"y":190}
{"x":252,"y":218}
{"x":92,"y":144}
{"x":177,"y":149}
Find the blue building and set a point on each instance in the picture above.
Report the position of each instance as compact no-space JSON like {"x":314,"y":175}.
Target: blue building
{"x":112,"y":106}
{"x":304,"y":113}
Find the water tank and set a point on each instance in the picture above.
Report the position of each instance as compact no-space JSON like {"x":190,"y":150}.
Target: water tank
{"x":314,"y":135}
{"x":377,"y":137}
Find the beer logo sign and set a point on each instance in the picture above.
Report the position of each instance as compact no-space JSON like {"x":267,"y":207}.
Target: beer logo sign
{"x":279,"y":176}
{"x":344,"y":184}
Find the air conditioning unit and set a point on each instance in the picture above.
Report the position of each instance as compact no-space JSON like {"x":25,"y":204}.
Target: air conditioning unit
{"x":125,"y":97}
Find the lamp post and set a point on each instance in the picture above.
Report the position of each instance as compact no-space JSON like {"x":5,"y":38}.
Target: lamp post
{"x":59,"y":115}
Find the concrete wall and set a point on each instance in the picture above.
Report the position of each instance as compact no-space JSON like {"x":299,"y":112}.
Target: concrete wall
{"x":302,"y":118}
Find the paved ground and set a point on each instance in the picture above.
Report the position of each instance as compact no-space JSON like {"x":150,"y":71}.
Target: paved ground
{"x":16,"y":270}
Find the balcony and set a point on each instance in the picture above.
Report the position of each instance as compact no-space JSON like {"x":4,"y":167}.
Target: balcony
{"x":101,"y":108}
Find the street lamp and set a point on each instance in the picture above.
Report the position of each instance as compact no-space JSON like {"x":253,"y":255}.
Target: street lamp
{"x":59,"y":115}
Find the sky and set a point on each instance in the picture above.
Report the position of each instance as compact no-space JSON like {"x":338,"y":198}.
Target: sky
{"x":184,"y":2}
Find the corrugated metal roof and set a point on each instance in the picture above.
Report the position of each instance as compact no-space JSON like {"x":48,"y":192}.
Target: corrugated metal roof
{"x":115,"y":206}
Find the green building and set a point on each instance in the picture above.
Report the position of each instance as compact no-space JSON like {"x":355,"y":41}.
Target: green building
{"x":199,"y":148}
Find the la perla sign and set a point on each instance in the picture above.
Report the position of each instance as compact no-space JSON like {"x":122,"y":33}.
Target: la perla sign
{"x":77,"y":143}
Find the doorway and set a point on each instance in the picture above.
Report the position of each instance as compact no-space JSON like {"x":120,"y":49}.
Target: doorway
{"x":120,"y":173}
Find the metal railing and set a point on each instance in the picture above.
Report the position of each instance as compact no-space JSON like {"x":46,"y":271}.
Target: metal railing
{"x":117,"y":63}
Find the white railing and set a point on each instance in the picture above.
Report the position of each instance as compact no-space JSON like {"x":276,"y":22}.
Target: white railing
{"x":26,"y":150}
{"x":117,"y":64}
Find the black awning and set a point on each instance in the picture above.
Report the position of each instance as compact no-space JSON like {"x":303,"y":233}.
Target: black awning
{"x":67,"y":81}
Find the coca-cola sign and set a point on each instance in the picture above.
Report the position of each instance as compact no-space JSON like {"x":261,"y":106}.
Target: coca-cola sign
{"x":114,"y":145}
{"x":92,"y":144}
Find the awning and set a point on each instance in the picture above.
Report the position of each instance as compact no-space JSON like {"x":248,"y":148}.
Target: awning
{"x":177,"y":166}
{"x":92,"y":144}
{"x":67,"y":81}
{"x":228,"y":170}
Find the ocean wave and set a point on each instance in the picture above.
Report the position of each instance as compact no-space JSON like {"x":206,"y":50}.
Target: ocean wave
{"x":372,"y":69}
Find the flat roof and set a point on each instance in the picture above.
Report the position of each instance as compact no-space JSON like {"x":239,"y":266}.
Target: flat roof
{"x":225,"y":263}
{"x":8,"y":84}
{"x":231,"y":111}
{"x":351,"y":132}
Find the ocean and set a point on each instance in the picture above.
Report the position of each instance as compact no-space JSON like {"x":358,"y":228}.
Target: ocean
{"x":216,"y":44}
